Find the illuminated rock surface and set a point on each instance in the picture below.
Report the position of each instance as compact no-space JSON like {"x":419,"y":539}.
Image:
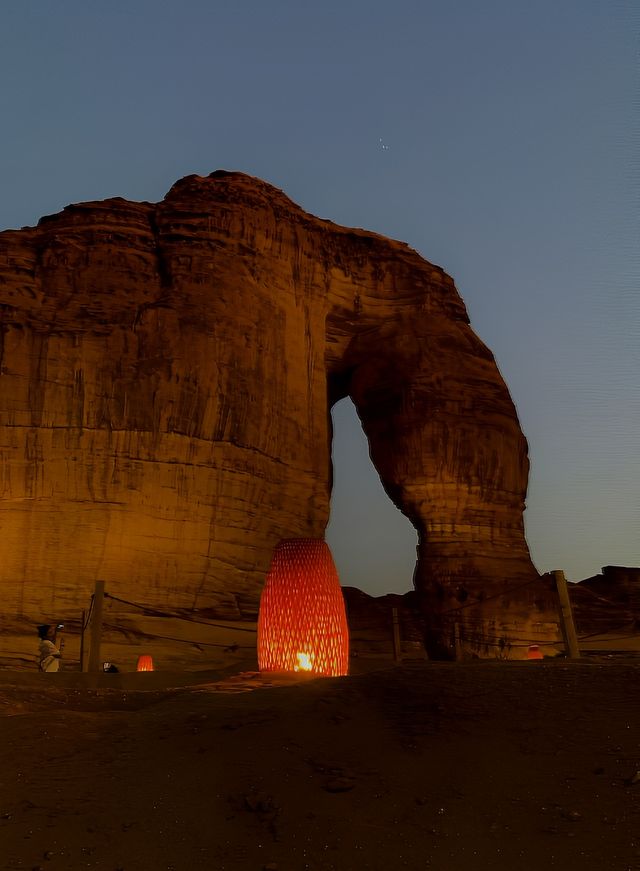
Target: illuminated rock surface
{"x":167,"y":374}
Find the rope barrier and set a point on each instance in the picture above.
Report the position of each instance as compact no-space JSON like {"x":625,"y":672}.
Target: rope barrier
{"x":230,"y":647}
{"x":473,"y":627}
{"x":605,"y":632}
{"x":474,"y":635}
{"x":153,"y":612}
{"x":603,"y":599}
{"x":481,"y":601}
{"x":88,"y":618}
{"x":479,"y":622}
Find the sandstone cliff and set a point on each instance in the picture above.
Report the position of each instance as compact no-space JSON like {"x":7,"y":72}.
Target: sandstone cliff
{"x":167,"y":372}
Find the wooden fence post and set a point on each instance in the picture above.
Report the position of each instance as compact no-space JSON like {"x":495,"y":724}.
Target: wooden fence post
{"x":82,"y":627}
{"x":457,"y":644}
{"x":397,"y":649}
{"x":566,"y":616}
{"x":95,"y":627}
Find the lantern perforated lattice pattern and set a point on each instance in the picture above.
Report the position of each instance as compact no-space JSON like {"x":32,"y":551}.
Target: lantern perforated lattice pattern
{"x":302,"y":624}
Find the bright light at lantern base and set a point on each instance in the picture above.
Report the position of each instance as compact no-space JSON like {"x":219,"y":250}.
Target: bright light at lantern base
{"x":304,"y":662}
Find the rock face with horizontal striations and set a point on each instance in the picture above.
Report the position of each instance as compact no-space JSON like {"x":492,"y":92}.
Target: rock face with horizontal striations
{"x":167,"y":373}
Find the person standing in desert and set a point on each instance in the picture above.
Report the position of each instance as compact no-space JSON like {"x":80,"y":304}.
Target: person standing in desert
{"x":48,"y":653}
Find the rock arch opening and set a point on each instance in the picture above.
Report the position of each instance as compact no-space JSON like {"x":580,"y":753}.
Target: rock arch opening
{"x":373,"y":543}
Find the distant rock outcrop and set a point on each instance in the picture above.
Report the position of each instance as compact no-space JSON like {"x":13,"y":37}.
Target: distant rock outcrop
{"x":167,"y":372}
{"x":609,"y":602}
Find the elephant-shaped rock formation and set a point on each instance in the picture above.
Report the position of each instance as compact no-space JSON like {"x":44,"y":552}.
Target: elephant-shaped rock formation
{"x":167,"y":373}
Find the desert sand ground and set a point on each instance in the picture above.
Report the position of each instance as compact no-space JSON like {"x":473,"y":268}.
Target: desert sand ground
{"x":486,"y":766}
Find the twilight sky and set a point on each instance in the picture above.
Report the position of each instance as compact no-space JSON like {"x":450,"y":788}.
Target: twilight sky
{"x":510,"y":158}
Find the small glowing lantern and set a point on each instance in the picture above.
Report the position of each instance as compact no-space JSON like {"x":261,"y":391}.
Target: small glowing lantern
{"x":145,"y":663}
{"x":302,"y":625}
{"x":534,"y":652}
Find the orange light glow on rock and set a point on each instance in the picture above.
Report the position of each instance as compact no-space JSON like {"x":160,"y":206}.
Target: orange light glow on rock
{"x":534,"y":652}
{"x":302,"y":625}
{"x":145,"y":663}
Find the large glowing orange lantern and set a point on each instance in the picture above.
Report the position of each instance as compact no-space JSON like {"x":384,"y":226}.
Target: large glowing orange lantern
{"x":145,"y":663}
{"x":302,"y":625}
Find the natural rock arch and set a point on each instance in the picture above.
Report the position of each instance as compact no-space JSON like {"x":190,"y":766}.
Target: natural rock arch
{"x":167,"y":375}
